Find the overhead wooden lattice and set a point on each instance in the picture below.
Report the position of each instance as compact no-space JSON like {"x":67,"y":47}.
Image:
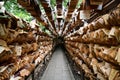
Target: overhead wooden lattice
{"x":33,"y":7}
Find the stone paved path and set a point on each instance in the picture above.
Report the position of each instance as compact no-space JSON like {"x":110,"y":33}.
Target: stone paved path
{"x":58,"y":67}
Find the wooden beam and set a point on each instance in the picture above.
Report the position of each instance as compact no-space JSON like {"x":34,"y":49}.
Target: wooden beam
{"x":59,"y":7}
{"x":48,"y":12}
{"x":71,"y":9}
{"x":59,"y":12}
{"x":33,"y":8}
{"x":108,"y":5}
{"x":30,"y":8}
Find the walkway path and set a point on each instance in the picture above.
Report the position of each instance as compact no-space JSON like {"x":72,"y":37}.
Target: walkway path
{"x":58,"y":67}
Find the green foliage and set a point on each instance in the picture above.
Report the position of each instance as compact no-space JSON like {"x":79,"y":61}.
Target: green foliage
{"x":65,"y":3}
{"x":53,"y":3}
{"x":13,"y":7}
{"x":78,"y":5}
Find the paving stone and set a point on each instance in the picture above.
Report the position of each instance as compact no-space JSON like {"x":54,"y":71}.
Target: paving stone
{"x":58,"y":68}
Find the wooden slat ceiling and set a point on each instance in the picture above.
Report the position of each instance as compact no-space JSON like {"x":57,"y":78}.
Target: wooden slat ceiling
{"x":48,"y":12}
{"x":59,"y":12}
{"x":32,"y":6}
{"x":74,"y":23}
{"x":107,"y":5}
{"x":59,"y":7}
{"x":71,"y":9}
